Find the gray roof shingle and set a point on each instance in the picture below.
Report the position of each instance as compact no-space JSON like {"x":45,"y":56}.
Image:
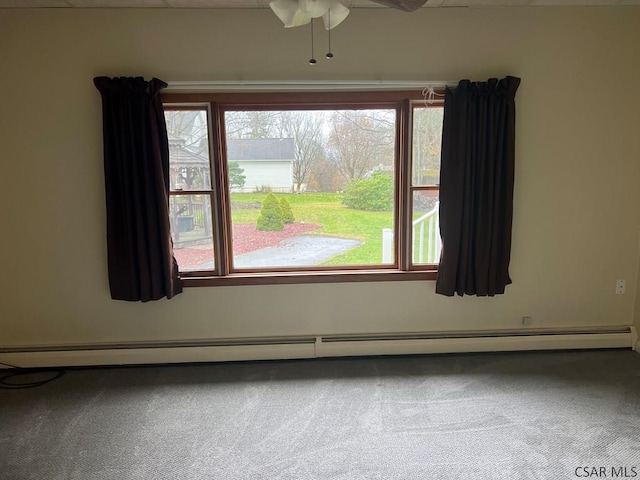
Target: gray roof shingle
{"x":260,"y":149}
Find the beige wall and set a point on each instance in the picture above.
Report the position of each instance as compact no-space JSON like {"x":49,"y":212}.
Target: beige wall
{"x":578,"y":167}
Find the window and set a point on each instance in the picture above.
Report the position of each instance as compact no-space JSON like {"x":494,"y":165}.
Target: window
{"x":304,"y":187}
{"x":425,"y":178}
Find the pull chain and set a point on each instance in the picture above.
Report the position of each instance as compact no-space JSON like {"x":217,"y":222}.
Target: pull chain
{"x":312,"y":61}
{"x":329,"y":54}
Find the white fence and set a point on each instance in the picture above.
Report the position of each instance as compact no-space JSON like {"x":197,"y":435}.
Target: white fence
{"x":425,"y":239}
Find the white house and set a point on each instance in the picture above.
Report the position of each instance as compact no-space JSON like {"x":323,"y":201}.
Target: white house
{"x":267,"y":163}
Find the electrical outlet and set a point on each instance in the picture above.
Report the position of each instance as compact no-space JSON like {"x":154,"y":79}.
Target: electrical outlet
{"x":526,"y":321}
{"x":621,"y":285}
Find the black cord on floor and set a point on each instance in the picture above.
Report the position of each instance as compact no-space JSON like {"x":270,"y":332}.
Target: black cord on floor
{"x":6,"y":385}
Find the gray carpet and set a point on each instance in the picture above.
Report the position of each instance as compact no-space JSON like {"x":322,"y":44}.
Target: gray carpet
{"x":489,"y":416}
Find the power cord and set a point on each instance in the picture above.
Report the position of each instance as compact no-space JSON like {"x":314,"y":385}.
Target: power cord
{"x":7,"y":385}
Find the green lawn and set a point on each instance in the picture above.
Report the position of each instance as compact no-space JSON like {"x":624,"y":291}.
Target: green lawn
{"x":337,"y":220}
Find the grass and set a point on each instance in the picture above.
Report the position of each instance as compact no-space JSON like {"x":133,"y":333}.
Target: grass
{"x":326,"y":209}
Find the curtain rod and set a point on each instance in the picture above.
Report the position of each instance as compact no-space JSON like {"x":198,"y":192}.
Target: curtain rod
{"x":230,"y":85}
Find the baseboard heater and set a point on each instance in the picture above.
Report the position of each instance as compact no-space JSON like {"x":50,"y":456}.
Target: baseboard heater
{"x":298,"y":347}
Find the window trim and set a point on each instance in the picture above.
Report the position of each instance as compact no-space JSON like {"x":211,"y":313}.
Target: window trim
{"x":216,"y":104}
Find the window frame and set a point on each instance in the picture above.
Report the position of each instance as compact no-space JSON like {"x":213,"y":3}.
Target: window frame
{"x":216,"y":104}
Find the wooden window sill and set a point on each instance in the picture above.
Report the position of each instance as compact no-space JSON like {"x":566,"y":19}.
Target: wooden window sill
{"x":286,"y":278}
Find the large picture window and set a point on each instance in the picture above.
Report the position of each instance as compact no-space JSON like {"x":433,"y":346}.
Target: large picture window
{"x":316,"y":187}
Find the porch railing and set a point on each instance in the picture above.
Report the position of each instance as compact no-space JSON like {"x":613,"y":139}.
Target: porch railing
{"x":425,"y":239}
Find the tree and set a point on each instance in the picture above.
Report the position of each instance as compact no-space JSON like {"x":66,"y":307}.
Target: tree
{"x":270,"y":218}
{"x":324,"y":177}
{"x":251,"y":124}
{"x":427,"y":143}
{"x":189,"y":126}
{"x":306,"y":129}
{"x":236,"y":177}
{"x":360,"y":140}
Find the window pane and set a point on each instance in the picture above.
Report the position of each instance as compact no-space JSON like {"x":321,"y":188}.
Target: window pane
{"x":188,"y":149}
{"x":425,"y":233}
{"x":192,"y":231}
{"x":427,"y":140}
{"x":334,"y":170}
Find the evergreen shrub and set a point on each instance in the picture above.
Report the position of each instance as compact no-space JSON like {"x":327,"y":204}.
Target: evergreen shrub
{"x":270,"y":218}
{"x":287,"y":213}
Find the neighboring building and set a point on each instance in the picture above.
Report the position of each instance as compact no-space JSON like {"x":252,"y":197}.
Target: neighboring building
{"x":267,"y":162}
{"x":188,"y":170}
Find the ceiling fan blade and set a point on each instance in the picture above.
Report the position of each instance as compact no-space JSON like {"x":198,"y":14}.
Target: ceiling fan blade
{"x":314,"y":8}
{"x":336,"y":14}
{"x":289,"y":13}
{"x":404,"y":5}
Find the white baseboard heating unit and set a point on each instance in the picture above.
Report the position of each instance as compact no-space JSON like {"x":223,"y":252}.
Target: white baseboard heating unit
{"x":298,"y":347}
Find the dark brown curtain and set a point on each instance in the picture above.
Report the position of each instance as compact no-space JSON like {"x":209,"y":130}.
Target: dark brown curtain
{"x":136,"y":167}
{"x":476,"y":187}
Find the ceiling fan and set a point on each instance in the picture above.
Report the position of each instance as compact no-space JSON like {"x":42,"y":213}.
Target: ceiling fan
{"x":294,"y":13}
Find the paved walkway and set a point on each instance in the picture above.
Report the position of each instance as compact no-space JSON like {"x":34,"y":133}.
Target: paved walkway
{"x":299,"y":251}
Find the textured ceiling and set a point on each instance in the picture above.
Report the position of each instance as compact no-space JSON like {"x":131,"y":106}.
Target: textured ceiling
{"x":265,"y":3}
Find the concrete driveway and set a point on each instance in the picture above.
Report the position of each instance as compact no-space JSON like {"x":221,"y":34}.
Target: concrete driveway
{"x":299,"y":251}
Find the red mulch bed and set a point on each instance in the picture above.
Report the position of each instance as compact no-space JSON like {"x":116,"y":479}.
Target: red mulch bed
{"x":245,"y":239}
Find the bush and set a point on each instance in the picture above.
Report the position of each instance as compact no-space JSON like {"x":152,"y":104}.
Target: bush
{"x":270,"y":218}
{"x":374,"y":193}
{"x":287,"y":213}
{"x":263,"y":189}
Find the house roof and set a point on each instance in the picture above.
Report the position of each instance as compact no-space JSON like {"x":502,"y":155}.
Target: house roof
{"x":181,"y":157}
{"x":237,"y":149}
{"x":260,"y":149}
